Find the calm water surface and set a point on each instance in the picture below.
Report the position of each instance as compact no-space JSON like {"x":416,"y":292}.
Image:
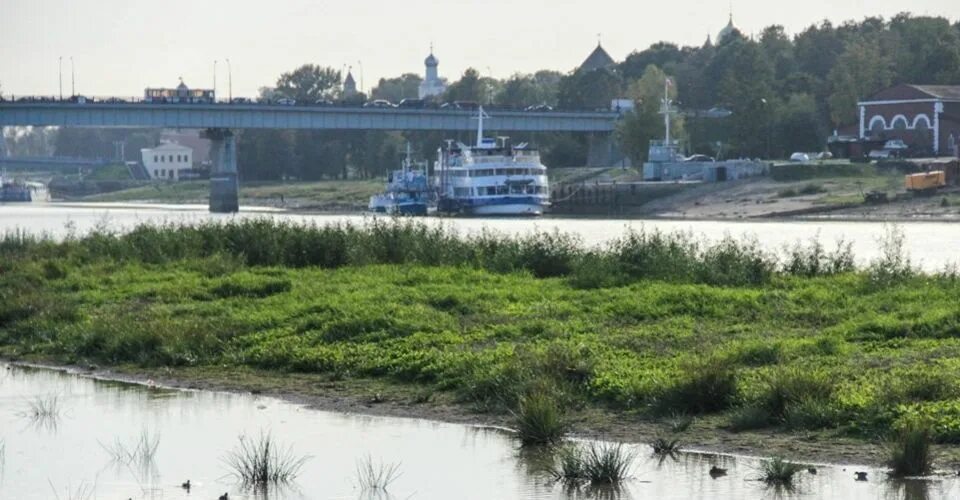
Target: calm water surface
{"x":932,"y":245}
{"x":58,"y":457}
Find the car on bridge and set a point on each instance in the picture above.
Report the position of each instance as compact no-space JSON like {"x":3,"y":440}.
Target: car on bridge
{"x":241,"y":100}
{"x":285,"y":101}
{"x":379,"y":103}
{"x":412,"y":103}
{"x":539,"y":108}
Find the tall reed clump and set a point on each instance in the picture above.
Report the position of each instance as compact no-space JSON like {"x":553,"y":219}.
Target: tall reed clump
{"x":44,"y":407}
{"x":706,"y":385}
{"x":539,"y":420}
{"x":141,"y":451}
{"x":596,"y":463}
{"x":779,"y":472}
{"x":261,"y":462}
{"x":893,"y":265}
{"x":376,"y":476}
{"x":910,"y":450}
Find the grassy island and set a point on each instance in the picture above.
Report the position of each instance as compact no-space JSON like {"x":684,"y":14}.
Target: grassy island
{"x":650,"y":328}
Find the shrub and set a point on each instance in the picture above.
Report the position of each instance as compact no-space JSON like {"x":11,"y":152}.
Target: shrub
{"x":893,"y":265}
{"x":910,"y":450}
{"x":813,"y":260}
{"x":779,"y":472}
{"x":788,"y":387}
{"x":539,"y":420}
{"x":705,"y":386}
{"x":261,"y":462}
{"x":595,"y":463}
{"x":750,"y":418}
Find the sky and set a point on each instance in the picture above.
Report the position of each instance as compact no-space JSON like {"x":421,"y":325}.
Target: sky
{"x":119,"y":47}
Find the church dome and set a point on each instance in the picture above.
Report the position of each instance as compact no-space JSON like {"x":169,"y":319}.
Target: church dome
{"x":727,"y":30}
{"x":431,"y":60}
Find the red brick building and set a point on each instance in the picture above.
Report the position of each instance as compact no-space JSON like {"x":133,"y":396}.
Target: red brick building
{"x":925,"y":117}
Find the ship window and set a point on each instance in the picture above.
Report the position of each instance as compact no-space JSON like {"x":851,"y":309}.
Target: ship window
{"x":155,"y":173}
{"x":516,"y":189}
{"x":154,"y":158}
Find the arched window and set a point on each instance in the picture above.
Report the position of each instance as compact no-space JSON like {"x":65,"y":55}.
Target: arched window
{"x":921,"y":122}
{"x":899,"y":122}
{"x":877,"y":124}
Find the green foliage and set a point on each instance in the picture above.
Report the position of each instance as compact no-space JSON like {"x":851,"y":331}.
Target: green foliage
{"x":539,"y":420}
{"x":653,"y":324}
{"x":596,"y":463}
{"x":779,"y":472}
{"x":910,"y":450}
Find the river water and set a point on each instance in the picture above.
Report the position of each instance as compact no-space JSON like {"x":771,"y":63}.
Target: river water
{"x":65,"y":457}
{"x":931,"y":245}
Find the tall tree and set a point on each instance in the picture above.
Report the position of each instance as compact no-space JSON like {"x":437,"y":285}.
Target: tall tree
{"x":860,"y":71}
{"x":467,"y":88}
{"x":309,"y":82}
{"x":645,"y":122}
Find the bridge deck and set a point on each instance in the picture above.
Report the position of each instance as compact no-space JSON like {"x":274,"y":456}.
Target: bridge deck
{"x":238,"y":116}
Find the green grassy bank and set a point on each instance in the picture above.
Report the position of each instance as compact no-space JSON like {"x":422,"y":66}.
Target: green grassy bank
{"x":651,"y":326}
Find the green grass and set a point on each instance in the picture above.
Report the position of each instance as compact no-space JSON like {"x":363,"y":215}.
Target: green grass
{"x":594,"y":463}
{"x":779,"y":472}
{"x":910,"y":450}
{"x":539,"y":420}
{"x":653,"y":325}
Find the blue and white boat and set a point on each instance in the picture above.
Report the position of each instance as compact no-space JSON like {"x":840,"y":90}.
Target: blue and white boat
{"x":408,"y":192}
{"x":491,"y":178}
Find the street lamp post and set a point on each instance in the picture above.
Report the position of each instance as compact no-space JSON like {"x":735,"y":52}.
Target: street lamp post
{"x":360,"y":65}
{"x":73,"y":80}
{"x":229,"y":81}
{"x":60,"y":75}
{"x":214,"y":80}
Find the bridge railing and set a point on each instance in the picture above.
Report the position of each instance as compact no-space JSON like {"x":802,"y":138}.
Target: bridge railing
{"x":238,"y":101}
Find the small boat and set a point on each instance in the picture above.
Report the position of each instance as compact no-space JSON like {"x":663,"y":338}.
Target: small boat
{"x":13,"y":190}
{"x":408,"y":192}
{"x":491,"y":178}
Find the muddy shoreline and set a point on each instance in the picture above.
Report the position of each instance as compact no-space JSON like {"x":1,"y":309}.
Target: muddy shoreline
{"x":376,"y":398}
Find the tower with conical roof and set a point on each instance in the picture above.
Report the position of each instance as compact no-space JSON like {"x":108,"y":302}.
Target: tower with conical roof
{"x":349,"y":85}
{"x":598,"y":59}
{"x":432,"y":84}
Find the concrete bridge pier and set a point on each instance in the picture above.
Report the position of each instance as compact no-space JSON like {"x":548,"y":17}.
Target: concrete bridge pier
{"x":224,"y":184}
{"x":603,"y":151}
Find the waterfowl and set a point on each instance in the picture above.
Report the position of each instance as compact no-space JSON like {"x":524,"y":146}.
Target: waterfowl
{"x":186,"y":485}
{"x":717,"y":471}
{"x":224,"y":497}
{"x":861,"y":476}
{"x":812,"y":470}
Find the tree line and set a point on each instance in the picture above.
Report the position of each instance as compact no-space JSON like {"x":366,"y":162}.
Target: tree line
{"x":775,"y":94}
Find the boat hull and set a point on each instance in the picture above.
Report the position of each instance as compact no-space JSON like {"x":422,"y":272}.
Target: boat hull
{"x":529,"y":209}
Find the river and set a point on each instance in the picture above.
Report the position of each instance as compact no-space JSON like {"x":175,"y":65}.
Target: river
{"x":931,"y":245}
{"x":65,"y":455}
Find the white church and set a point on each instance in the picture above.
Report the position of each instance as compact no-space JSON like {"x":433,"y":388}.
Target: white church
{"x":431,"y":85}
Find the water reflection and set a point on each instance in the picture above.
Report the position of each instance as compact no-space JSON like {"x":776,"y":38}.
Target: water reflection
{"x":197,"y":429}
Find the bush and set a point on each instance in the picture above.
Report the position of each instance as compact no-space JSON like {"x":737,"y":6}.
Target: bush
{"x":910,"y":450}
{"x":779,"y":472}
{"x":706,"y":386}
{"x":749,"y":418}
{"x":787,"y":388}
{"x":539,"y":420}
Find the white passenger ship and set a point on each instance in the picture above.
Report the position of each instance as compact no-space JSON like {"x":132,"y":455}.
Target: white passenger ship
{"x":491,"y":178}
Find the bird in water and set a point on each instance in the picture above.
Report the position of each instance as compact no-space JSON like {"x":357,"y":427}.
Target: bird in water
{"x":812,"y":470}
{"x":717,"y":471}
{"x":861,"y":476}
{"x":224,"y":497}
{"x":186,"y":485}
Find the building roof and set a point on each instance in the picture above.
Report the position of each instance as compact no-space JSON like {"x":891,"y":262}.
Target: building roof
{"x":349,"y":81}
{"x":945,"y":92}
{"x":431,"y":60}
{"x":169,"y":146}
{"x":597,"y":59}
{"x":909,"y":92}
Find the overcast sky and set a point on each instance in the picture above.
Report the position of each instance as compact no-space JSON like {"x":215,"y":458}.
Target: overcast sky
{"x":121,"y":46}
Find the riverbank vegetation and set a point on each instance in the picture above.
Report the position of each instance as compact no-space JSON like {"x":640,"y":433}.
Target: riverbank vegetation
{"x":651,"y":326}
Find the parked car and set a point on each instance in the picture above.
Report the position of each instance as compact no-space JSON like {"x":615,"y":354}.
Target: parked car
{"x":539,"y":108}
{"x":800,"y":157}
{"x":379,"y":103}
{"x":701,"y":158}
{"x":411,"y":103}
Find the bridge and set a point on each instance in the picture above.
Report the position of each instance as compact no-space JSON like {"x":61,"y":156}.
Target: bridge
{"x":220,"y":119}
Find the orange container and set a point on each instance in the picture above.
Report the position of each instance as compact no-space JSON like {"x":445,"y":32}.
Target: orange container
{"x":925,"y":181}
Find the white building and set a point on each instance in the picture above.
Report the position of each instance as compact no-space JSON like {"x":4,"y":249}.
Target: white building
{"x":169,"y":161}
{"x":432,"y":84}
